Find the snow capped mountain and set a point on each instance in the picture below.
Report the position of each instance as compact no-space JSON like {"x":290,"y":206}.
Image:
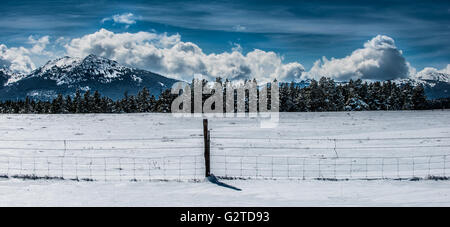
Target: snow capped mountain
{"x":68,"y":70}
{"x":7,"y":76}
{"x":60,"y":70}
{"x":436,"y":83}
{"x":68,"y":74}
{"x":431,"y":75}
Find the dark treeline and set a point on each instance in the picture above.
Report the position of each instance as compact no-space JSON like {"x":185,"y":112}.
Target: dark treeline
{"x":89,"y":103}
{"x":326,"y":95}
{"x":322,"y":95}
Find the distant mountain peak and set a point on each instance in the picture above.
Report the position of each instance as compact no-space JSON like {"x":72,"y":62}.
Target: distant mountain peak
{"x":64,"y":62}
{"x":436,"y":84}
{"x":432,"y":75}
{"x":93,"y":57}
{"x":97,"y":60}
{"x":68,"y":70}
{"x":67,"y":74}
{"x":7,"y":76}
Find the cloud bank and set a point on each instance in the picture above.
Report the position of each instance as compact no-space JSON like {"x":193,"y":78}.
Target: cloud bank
{"x":380,"y":59}
{"x":168,"y":55}
{"x":16,"y":59}
{"x":19,"y":59}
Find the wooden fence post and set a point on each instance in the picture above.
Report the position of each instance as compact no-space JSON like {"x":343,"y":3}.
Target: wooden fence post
{"x":207,"y":148}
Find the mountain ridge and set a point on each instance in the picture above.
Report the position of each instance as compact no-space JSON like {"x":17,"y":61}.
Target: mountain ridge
{"x":67,"y":74}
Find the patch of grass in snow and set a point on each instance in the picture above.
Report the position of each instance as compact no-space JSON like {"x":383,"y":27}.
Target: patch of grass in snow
{"x":34,"y":177}
{"x":436,"y":178}
{"x":415,"y":179}
{"x":330,"y":179}
{"x":82,"y":179}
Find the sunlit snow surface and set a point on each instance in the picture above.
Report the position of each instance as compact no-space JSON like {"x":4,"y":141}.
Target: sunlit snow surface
{"x":99,"y":136}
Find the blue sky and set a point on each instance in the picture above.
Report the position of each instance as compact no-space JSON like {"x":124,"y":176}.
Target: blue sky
{"x":297,"y":31}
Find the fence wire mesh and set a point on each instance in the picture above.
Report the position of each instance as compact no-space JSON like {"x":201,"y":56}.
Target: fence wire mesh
{"x":332,"y":159}
{"x":333,"y":168}
{"x":181,"y":158}
{"x":103,"y":168}
{"x":144,"y":159}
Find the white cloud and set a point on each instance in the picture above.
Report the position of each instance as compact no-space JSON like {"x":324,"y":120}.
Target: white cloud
{"x":170,"y":56}
{"x":16,"y":59}
{"x":39,"y":45}
{"x":125,"y":18}
{"x":19,"y":59}
{"x":430,"y":73}
{"x":378,"y":60}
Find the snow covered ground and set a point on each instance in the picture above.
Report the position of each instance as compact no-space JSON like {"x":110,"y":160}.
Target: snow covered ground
{"x":117,"y":148}
{"x":254,"y":193}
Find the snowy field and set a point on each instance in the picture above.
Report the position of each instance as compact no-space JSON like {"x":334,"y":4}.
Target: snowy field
{"x":127,"y":155}
{"x":205,"y":194}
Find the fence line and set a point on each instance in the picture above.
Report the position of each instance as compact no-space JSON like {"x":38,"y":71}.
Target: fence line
{"x":99,"y":149}
{"x":246,"y":158}
{"x":182,"y":167}
{"x":331,"y":139}
{"x":228,"y":147}
{"x":220,"y":137}
{"x":190,"y":167}
{"x":344,"y":157}
{"x":101,"y":140}
{"x":335,"y":168}
{"x":341,"y":148}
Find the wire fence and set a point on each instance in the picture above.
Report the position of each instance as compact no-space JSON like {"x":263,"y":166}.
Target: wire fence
{"x":182,"y":158}
{"x":142,"y":159}
{"x":103,"y":168}
{"x":330,"y":158}
{"x":342,"y":168}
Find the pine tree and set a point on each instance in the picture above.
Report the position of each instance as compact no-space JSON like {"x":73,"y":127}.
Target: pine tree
{"x":87,"y":103}
{"x":57,"y":106}
{"x":143,"y":100}
{"x":96,"y":103}
{"x":418,"y":98}
{"x":77,"y":102}
{"x":69,"y":107}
